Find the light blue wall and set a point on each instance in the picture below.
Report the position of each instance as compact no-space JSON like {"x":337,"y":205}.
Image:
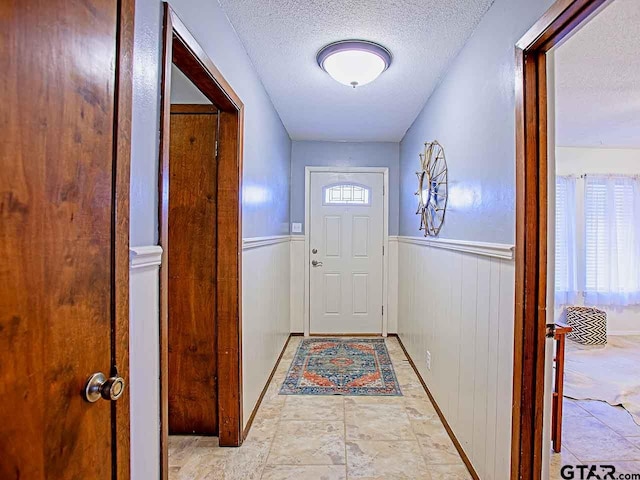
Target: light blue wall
{"x":267,"y":147}
{"x":343,"y":154}
{"x":145,"y":123}
{"x":472,"y":114}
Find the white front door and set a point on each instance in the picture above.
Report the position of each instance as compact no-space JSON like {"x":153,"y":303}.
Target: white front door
{"x":346,"y":241}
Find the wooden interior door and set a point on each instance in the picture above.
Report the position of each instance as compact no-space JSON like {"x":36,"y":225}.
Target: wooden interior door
{"x":60,"y":233}
{"x":192,"y":379}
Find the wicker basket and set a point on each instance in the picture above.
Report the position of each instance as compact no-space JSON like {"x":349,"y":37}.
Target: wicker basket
{"x":589,"y":325}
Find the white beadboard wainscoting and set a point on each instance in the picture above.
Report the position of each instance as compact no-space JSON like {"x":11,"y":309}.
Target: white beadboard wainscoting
{"x":392,"y":290}
{"x":456,"y":300}
{"x":265,"y":311}
{"x":297,"y":284}
{"x":298,"y":280}
{"x":143,"y":381}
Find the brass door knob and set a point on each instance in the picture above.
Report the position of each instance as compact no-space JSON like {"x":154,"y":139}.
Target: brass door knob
{"x":98,"y":386}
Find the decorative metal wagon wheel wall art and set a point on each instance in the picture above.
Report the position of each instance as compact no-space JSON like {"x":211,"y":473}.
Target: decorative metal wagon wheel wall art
{"x":432,"y":188}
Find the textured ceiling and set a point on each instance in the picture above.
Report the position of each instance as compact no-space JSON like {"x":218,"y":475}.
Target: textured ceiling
{"x":282,"y":38}
{"x":598,"y":81}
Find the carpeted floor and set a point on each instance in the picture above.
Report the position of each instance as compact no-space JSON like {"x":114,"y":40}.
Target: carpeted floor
{"x":330,"y":366}
{"x":610,"y":374}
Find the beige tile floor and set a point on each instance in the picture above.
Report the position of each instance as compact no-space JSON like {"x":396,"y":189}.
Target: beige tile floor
{"x":595,"y":432}
{"x":330,"y":437}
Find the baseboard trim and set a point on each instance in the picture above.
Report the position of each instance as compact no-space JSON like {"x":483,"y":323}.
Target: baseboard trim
{"x":245,"y":433}
{"x":372,"y":335}
{"x":626,"y":333}
{"x":455,"y":441}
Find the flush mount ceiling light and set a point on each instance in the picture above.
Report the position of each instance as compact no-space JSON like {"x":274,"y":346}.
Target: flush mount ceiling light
{"x":354,"y":62}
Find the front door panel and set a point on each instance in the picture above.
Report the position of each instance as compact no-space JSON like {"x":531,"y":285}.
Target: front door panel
{"x":346,"y":240}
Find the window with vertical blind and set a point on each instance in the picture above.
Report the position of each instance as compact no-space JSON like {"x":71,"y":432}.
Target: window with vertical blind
{"x":612,"y":240}
{"x":598,"y":254}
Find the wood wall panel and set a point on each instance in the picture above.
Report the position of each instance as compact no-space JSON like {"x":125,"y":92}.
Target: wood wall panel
{"x":493,"y":410}
{"x":459,"y":306}
{"x":467,"y":349}
{"x":481,"y":363}
{"x":505,"y":334}
{"x":452,"y":334}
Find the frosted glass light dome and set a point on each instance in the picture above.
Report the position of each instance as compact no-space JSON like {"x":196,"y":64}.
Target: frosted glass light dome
{"x":354,"y":62}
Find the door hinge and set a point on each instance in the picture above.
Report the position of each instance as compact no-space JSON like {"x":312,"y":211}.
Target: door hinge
{"x":383,"y":250}
{"x":383,"y":190}
{"x":216,"y":149}
{"x":382,"y":309}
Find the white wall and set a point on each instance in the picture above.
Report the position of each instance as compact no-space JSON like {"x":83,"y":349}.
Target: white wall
{"x":574,"y":160}
{"x":265,"y":310}
{"x":297,"y":284}
{"x":578,"y":161}
{"x":393,"y":285}
{"x":459,"y":306}
{"x":183,"y":91}
{"x":143,"y":352}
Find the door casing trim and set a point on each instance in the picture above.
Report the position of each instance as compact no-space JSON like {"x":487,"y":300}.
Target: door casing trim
{"x":181,"y":47}
{"x":121,"y":426}
{"x":561,"y":20}
{"x":307,"y":256}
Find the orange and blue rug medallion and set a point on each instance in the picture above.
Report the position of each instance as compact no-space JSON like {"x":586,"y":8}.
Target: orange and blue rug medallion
{"x":328,"y":366}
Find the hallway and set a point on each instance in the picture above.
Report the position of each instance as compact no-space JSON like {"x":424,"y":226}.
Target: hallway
{"x":330,"y":437}
{"x":250,"y":239}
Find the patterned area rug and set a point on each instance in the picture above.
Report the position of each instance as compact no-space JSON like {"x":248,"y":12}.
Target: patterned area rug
{"x":329,"y":366}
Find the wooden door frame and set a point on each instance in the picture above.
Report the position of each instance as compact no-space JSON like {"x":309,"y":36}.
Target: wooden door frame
{"x":563,"y":18}
{"x":307,"y":238}
{"x":121,"y":459}
{"x":182,"y":49}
